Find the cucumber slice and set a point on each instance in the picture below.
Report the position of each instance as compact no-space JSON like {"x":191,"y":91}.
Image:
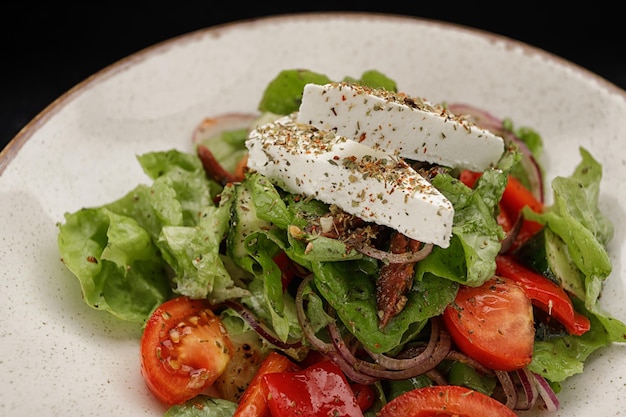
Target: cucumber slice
{"x":546,"y":253}
{"x":244,"y":222}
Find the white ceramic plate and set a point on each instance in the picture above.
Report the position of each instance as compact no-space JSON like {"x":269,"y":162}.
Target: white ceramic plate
{"x":59,"y":357}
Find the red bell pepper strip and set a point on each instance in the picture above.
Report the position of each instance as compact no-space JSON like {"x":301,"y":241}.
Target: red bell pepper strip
{"x":252,"y":402}
{"x":504,"y":218}
{"x":320,"y":390}
{"x":515,"y":197}
{"x":544,"y":293}
{"x":506,"y":222}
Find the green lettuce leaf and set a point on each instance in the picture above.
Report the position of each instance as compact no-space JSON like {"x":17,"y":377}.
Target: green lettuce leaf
{"x":125,"y":252}
{"x":374,"y":79}
{"x":228,"y":148}
{"x":476,"y":235}
{"x":577,"y":219}
{"x":203,"y":406}
{"x":283,"y":94}
{"x":559,"y":358}
{"x":115,"y":260}
{"x":349,"y":287}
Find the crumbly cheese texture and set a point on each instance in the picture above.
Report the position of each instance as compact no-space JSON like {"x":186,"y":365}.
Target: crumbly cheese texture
{"x":363,"y":181}
{"x":405,"y":126}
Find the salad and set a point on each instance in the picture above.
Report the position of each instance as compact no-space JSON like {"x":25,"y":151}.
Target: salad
{"x":352,"y":250}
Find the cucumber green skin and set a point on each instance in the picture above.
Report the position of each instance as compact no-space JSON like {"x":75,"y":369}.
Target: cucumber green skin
{"x":546,"y":253}
{"x":244,"y":222}
{"x":534,"y":254}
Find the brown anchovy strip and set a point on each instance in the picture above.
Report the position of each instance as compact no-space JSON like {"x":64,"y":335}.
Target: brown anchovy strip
{"x":396,"y":273}
{"x":214,"y":170}
{"x":395,"y":279}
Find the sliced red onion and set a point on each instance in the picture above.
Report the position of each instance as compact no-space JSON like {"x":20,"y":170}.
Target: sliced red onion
{"x":509,"y":388}
{"x":348,"y":368}
{"x":546,"y":393}
{"x":363,"y":370}
{"x":260,"y":328}
{"x":440,"y":349}
{"x":400,"y":364}
{"x":327,"y":349}
{"x":395,"y":258}
{"x":436,"y":376}
{"x":455,"y":355}
{"x":529,"y":386}
{"x":307,"y":330}
{"x":211,"y":127}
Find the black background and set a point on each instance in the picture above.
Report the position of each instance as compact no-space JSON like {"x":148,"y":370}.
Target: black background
{"x":49,"y":48}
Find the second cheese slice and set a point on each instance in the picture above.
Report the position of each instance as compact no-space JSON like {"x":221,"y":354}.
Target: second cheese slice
{"x":409,"y":127}
{"x":363,"y":181}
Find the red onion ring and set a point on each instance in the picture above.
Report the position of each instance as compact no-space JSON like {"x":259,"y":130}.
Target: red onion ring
{"x":347,"y":368}
{"x":305,"y":324}
{"x":439,"y":346}
{"x":435,"y":376}
{"x":455,"y":355}
{"x":529,"y":387}
{"x":259,"y":327}
{"x":508,"y":387}
{"x":211,"y":127}
{"x":546,"y":393}
{"x":363,"y":370}
{"x":394,"y":258}
{"x":401,"y":364}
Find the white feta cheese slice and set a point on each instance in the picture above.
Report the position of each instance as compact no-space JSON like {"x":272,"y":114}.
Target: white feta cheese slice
{"x":363,"y":181}
{"x":409,"y":127}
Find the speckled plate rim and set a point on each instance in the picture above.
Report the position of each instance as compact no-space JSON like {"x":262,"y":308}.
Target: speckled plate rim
{"x":7,"y":153}
{"x":78,"y":360}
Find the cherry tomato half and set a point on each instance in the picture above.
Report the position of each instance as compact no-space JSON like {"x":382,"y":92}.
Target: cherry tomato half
{"x":447,"y":400}
{"x":249,"y":354}
{"x":184,"y":349}
{"x":544,"y":293}
{"x":493,"y":324}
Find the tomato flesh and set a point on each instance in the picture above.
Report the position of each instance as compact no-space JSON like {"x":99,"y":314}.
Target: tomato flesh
{"x":447,"y":400}
{"x":320,"y":390}
{"x":184,"y":349}
{"x":248,"y":356}
{"x":364,"y":395}
{"x":493,"y":324}
{"x":545,"y":294}
{"x":252,"y":402}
